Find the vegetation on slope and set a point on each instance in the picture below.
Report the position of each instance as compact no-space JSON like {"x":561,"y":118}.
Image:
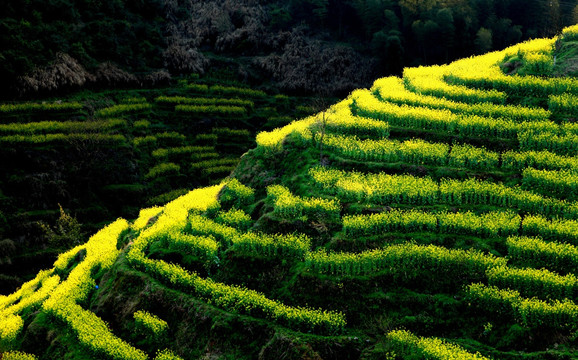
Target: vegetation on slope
{"x":374,"y":229}
{"x":101,"y":155}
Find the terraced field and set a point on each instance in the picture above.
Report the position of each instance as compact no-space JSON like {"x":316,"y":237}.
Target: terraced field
{"x":103,"y":155}
{"x":429,"y":217}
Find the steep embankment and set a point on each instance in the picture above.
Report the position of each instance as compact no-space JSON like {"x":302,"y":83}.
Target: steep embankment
{"x":433,"y":217}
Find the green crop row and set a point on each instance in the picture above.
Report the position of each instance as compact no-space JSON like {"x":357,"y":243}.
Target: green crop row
{"x":211,"y":110}
{"x":212,"y":163}
{"x":170,"y":153}
{"x":460,"y":155}
{"x":380,"y":188}
{"x":64,"y":139}
{"x":6,"y":109}
{"x":496,"y":223}
{"x":531,"y":282}
{"x":236,"y":91}
{"x":563,"y":144}
{"x":406,"y":260}
{"x":198,"y":88}
{"x":340,"y":120}
{"x":236,"y":194}
{"x":529,"y":312}
{"x":236,"y":218}
{"x":47,"y":127}
{"x":163,"y":169}
{"x":414,"y":151}
{"x":386,"y":189}
{"x":538,"y":159}
{"x":181,"y":100}
{"x":520,"y":85}
{"x":290,"y":207}
{"x":265,"y":245}
{"x":561,"y":184}
{"x":170,"y":139}
{"x":535,"y":252}
{"x":271,"y":245}
{"x":565,"y":104}
{"x":556,"y":229}
{"x":121,"y":109}
{"x":204,"y":247}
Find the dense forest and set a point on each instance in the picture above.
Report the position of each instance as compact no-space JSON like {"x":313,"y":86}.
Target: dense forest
{"x":47,"y":45}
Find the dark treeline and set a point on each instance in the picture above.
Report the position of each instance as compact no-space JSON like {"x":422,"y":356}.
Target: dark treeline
{"x":412,"y":32}
{"x":147,"y":35}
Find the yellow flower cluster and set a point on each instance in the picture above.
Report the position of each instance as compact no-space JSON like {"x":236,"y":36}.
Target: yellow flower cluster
{"x":392,"y":89}
{"x":430,"y":81}
{"x":151,"y":322}
{"x":29,"y":296}
{"x":91,"y":330}
{"x":366,"y":104}
{"x":273,"y":140}
{"x":484,"y":72}
{"x":17,"y":355}
{"x":145,"y":216}
{"x":570,"y":33}
{"x":10,"y":327}
{"x":235,"y":218}
{"x":167,"y":355}
{"x":405,"y":343}
{"x":232,"y":298}
{"x":291,"y":207}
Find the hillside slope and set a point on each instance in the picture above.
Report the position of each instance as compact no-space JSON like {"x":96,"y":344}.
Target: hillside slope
{"x":103,"y":155}
{"x":429,"y":217}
